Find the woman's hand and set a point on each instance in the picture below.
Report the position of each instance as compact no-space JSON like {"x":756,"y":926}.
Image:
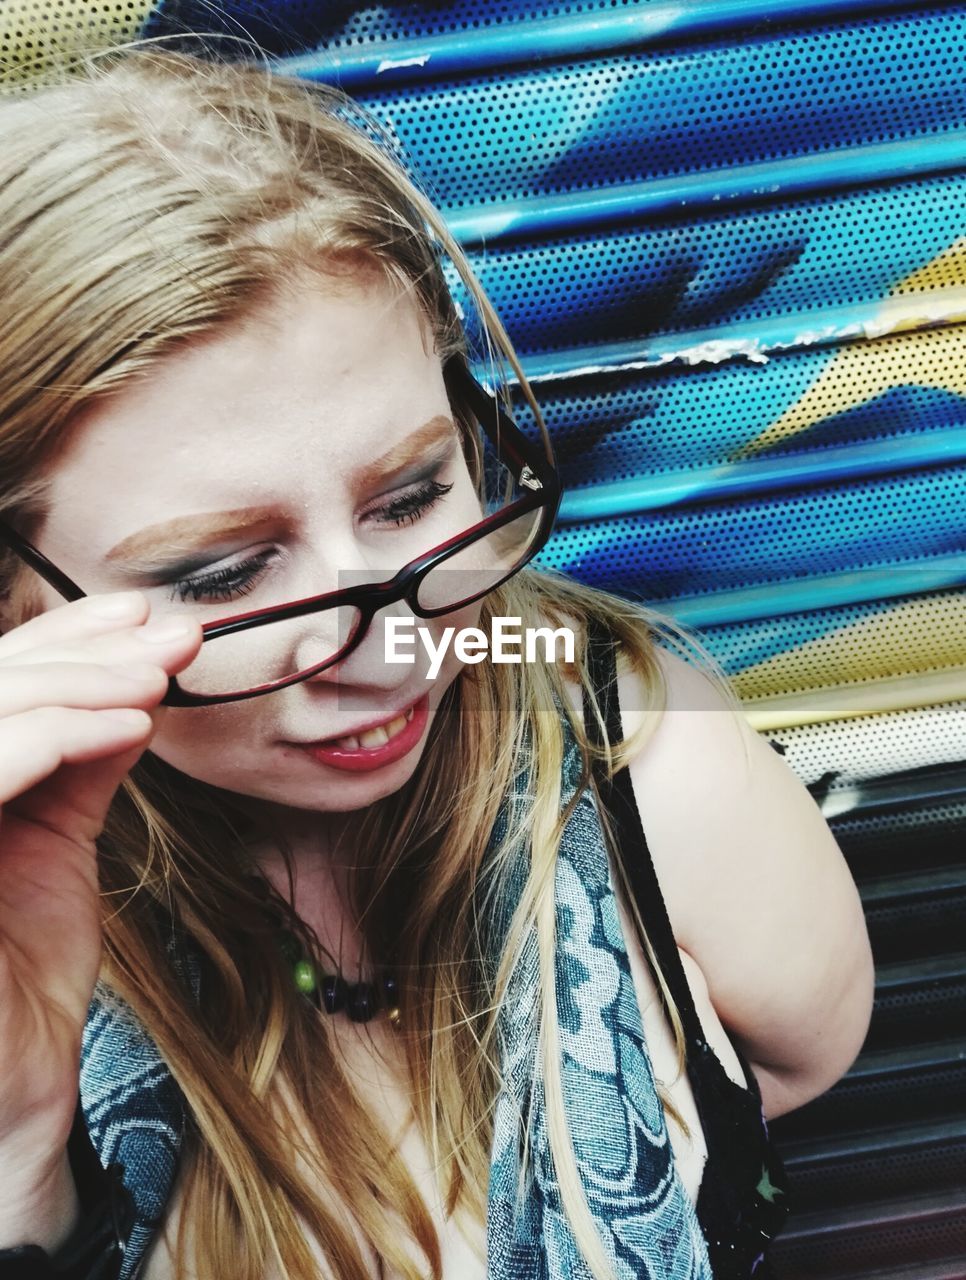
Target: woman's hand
{"x":80,"y":688}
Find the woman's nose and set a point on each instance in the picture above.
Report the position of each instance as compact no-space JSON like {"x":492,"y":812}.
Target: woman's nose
{"x":368,"y":662}
{"x":342,"y":563}
{"x":322,"y":636}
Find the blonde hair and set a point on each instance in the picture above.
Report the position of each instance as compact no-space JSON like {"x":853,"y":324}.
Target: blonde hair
{"x":147,"y":199}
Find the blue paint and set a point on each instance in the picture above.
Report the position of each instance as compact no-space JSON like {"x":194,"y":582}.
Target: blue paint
{"x":860,"y":526}
{"x":706,"y":191}
{"x":820,"y":593}
{"x":767,"y":474}
{"x":644,"y":428}
{"x":525,"y":38}
{"x":741,"y":645}
{"x":511,"y":134}
{"x":746,"y":340}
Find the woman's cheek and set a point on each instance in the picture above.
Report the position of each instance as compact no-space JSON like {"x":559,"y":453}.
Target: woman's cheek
{"x":209,"y":743}
{"x":201,"y":741}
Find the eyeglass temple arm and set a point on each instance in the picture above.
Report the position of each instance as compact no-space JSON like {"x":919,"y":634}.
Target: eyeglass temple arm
{"x":27,"y":552}
{"x":520,"y":452}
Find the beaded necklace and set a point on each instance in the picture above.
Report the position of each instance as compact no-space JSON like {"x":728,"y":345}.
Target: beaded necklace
{"x":330,"y":991}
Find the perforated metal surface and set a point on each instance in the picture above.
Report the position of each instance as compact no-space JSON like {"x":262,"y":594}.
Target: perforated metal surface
{"x":911,"y":1163}
{"x":897,"y":839}
{"x":34,"y":32}
{"x":915,"y":1231}
{"x":508,"y":134}
{"x":284,"y":24}
{"x":926,"y":1082}
{"x":876,"y":647}
{"x":920,"y":913}
{"x":803,"y":533}
{"x":765,"y":265}
{"x":684,"y":423}
{"x":873,"y":747}
{"x":917,"y":1000}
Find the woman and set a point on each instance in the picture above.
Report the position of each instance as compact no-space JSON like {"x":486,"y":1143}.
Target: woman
{"x":233,"y":379}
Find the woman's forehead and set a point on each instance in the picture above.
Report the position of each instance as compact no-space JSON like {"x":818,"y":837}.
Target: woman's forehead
{"x":296,"y":399}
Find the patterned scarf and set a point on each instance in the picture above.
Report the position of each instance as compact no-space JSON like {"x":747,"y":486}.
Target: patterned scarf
{"x":646,"y":1221}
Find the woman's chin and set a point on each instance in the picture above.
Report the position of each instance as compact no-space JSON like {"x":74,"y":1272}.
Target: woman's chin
{"x":325,"y":776}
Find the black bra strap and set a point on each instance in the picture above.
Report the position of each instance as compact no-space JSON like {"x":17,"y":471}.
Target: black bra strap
{"x":617,"y":796}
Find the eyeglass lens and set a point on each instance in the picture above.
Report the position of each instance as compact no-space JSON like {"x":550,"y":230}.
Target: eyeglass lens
{"x":277,"y":651}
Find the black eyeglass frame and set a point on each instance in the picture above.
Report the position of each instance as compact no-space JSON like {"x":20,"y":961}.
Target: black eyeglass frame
{"x":533,"y":468}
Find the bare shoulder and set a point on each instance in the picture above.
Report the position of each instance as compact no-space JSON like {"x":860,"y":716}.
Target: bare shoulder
{"x":697,"y":761}
{"x":757,"y":890}
{"x":697,"y":753}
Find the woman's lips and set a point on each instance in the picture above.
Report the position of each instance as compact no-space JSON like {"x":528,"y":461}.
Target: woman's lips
{"x":376,"y":747}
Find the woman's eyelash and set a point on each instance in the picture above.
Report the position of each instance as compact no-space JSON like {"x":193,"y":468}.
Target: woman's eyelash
{"x":236,"y":580}
{"x":222,"y":584}
{"x":408,"y":509}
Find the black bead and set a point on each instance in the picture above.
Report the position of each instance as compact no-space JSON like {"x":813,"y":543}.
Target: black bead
{"x":363,"y":1002}
{"x":390,"y":989}
{"x":335,"y":993}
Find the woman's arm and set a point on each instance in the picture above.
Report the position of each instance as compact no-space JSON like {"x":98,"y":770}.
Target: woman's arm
{"x":756,"y":887}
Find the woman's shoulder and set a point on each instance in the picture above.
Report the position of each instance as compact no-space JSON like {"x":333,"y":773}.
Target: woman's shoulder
{"x":756,"y":887}
{"x":672,"y":765}
{"x":685,"y":686}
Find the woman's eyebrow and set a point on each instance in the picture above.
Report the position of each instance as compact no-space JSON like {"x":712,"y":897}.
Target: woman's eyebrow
{"x":186,"y":535}
{"x":440,"y":430}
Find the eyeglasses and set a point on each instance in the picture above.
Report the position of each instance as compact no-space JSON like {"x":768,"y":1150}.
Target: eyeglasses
{"x":232,"y":664}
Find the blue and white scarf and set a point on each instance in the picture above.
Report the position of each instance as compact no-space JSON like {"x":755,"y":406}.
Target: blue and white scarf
{"x":645,"y":1219}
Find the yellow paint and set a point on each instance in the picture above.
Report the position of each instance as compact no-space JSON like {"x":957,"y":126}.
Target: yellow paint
{"x":911,"y":655}
{"x":34,"y":39}
{"x":912,"y":635}
{"x":860,"y":371}
{"x":948,"y":270}
{"x":820,"y":706}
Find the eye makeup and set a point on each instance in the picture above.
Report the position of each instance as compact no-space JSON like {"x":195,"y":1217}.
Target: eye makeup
{"x":409,"y":509}
{"x":225,"y":583}
{"x":237,"y":578}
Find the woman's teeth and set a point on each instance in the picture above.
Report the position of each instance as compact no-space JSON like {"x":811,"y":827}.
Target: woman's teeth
{"x":373,"y":737}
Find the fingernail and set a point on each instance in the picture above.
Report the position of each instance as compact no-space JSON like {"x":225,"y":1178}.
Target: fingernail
{"x":118,"y":605}
{"x":164,"y":630}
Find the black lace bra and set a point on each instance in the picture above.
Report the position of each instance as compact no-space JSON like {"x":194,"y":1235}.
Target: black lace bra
{"x":743,"y":1196}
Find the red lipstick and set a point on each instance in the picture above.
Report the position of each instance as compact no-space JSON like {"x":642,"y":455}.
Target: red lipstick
{"x":364,"y":759}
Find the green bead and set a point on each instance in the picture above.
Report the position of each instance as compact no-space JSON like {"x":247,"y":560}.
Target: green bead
{"x":305,"y":976}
